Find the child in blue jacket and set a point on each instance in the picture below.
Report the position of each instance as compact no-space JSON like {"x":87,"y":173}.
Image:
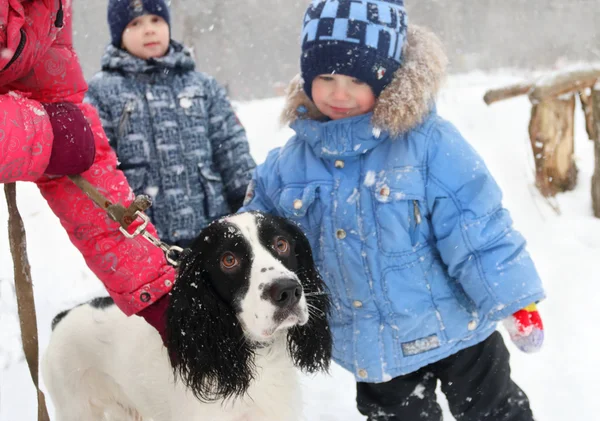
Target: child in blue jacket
{"x":405,"y":221}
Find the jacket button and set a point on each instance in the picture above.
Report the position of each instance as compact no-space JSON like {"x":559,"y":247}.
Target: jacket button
{"x":385,"y":191}
{"x":185,"y":102}
{"x":357,"y":304}
{"x":168,"y":283}
{"x":339,"y":164}
{"x":145,"y":297}
{"x":472,"y":325}
{"x":341,"y":234}
{"x":362,"y":373}
{"x":297,"y":204}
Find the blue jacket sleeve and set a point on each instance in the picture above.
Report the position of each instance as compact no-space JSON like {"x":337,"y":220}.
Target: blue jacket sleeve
{"x":265,"y":185}
{"x":231,"y":151}
{"x":473,"y":231}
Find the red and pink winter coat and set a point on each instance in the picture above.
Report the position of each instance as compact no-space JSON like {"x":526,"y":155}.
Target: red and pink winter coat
{"x":38,"y":64}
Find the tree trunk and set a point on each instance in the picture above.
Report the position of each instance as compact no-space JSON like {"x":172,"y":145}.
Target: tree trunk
{"x":586,"y":102}
{"x":551,"y":131}
{"x":596,"y":176}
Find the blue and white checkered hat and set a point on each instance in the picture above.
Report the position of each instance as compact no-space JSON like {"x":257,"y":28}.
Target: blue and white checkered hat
{"x":358,"y":38}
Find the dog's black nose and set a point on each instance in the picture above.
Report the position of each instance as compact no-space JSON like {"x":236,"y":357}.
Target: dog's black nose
{"x":285,"y":292}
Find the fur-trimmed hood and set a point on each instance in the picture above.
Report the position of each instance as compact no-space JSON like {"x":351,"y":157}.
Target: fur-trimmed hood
{"x":405,"y":102}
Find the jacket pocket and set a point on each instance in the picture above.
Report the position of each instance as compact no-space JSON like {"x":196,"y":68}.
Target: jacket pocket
{"x":215,"y":204}
{"x":123,"y":124}
{"x":413,"y":317}
{"x":301,"y":204}
{"x":131,"y":143}
{"x":400,"y":211}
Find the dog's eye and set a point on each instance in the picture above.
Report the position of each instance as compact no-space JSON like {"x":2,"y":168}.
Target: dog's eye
{"x":229,"y":261}
{"x":281,"y":245}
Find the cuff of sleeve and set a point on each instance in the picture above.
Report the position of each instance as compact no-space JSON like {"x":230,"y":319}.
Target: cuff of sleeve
{"x":133,"y":302}
{"x":502,"y":313}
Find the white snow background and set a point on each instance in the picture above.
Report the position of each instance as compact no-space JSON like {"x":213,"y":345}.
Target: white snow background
{"x":561,"y":380}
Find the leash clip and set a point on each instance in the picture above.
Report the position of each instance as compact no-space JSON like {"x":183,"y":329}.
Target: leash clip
{"x":170,"y":251}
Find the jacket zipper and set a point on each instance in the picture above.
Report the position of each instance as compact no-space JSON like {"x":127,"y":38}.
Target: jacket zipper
{"x":124,"y":120}
{"x":19,"y":49}
{"x":417,"y":222}
{"x":59,"y":21}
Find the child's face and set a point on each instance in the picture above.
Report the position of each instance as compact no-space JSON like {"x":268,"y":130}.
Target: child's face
{"x":339,"y":96}
{"x":146,"y":36}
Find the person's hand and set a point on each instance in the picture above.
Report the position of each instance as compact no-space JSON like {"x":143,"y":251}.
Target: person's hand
{"x":526,"y":329}
{"x":73,"y":148}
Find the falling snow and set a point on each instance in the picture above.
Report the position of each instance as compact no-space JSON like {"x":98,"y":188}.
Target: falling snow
{"x":564,"y":249}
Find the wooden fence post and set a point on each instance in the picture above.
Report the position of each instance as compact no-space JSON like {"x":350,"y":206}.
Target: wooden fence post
{"x":552,"y":132}
{"x":586,"y":103}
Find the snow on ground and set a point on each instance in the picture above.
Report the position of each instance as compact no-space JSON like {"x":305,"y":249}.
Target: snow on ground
{"x":560,"y":380}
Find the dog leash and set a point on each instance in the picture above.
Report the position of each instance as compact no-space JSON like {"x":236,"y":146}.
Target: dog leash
{"x":24,"y":292}
{"x":22,"y":269}
{"x":126,"y":216}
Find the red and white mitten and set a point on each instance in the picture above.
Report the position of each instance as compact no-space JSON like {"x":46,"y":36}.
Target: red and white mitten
{"x":526,"y":329}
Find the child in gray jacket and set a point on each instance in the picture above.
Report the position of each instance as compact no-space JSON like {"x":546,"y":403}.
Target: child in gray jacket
{"x":173,"y":128}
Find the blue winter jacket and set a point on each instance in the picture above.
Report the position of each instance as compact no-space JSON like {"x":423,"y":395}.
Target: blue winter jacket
{"x":176,"y":137}
{"x":406,"y":224}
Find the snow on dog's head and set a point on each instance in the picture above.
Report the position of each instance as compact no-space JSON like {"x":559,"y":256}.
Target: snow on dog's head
{"x":247,"y":280}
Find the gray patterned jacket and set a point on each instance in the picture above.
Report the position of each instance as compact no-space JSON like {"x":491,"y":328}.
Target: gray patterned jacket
{"x":176,"y":137}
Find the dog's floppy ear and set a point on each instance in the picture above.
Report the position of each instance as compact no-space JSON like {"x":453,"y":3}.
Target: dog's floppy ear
{"x":310,"y":345}
{"x":204,"y":337}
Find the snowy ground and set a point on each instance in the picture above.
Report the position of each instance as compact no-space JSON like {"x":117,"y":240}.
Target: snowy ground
{"x":561,"y":380}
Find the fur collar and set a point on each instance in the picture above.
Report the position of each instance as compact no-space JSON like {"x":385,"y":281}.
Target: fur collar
{"x":405,"y":102}
{"x":178,"y":57}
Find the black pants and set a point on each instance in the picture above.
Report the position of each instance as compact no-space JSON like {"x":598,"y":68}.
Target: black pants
{"x":476,"y":382}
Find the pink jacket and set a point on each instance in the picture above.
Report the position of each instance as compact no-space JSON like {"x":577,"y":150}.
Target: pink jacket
{"x":134,"y":272}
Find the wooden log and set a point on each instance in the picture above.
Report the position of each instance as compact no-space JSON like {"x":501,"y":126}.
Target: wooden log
{"x":596,"y":176}
{"x":495,"y":95}
{"x":552,"y":133}
{"x":585,"y":97}
{"x":562,"y":83}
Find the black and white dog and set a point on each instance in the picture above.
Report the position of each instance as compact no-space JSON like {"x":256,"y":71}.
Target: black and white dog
{"x":247,"y":309}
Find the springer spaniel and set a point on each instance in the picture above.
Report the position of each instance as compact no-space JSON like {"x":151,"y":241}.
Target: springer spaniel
{"x":247,"y":309}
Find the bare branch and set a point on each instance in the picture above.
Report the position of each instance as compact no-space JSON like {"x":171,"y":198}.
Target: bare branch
{"x":561,"y":83}
{"x":495,"y":95}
